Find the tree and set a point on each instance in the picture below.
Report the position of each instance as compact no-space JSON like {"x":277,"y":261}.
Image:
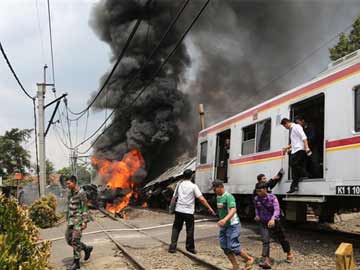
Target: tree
{"x":13,"y":157}
{"x":347,"y":43}
{"x":84,"y":174}
{"x":49,"y":170}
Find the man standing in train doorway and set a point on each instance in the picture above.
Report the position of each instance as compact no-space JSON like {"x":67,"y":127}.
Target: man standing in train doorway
{"x":298,"y":148}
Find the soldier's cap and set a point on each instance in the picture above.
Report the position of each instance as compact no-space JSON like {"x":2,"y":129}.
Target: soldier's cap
{"x":217,"y":183}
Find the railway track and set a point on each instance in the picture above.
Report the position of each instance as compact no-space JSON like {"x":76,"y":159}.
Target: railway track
{"x":145,"y":258}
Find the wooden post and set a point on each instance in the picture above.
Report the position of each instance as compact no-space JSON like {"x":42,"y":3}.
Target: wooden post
{"x":202,"y":116}
{"x":345,"y":257}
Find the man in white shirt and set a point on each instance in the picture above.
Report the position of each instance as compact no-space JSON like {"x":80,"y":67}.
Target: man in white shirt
{"x":185,"y":193}
{"x":299,"y":149}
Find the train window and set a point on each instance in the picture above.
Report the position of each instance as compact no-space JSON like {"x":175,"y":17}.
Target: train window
{"x":248,"y":144}
{"x":263,"y":132}
{"x":256,"y":138}
{"x":357,"y":109}
{"x":203,"y":152}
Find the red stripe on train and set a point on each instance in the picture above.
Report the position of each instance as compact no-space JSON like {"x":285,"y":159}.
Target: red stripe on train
{"x":280,"y":100}
{"x":343,"y":142}
{"x":257,"y":157}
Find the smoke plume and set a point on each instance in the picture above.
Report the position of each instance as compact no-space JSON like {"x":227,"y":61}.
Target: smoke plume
{"x":151,"y":122}
{"x":236,"y":48}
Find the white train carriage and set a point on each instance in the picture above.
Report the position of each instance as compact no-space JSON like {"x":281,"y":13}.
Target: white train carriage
{"x":239,"y":148}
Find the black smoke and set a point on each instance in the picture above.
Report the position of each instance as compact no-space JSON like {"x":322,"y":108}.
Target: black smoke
{"x":236,"y":48}
{"x":151,"y":122}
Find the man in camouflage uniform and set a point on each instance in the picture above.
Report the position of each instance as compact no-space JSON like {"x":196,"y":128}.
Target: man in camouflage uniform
{"x":77,"y":217}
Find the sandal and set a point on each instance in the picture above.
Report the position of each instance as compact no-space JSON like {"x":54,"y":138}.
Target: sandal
{"x":249,"y":264}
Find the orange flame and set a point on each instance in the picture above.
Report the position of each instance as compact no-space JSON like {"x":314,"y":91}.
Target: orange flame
{"x":117,"y":174}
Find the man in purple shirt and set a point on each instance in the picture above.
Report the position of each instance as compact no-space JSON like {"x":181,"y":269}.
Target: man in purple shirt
{"x":267,"y":211}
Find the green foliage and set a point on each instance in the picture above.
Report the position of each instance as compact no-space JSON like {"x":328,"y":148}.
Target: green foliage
{"x":66,"y":171}
{"x":18,"y":239}
{"x":83,"y":173}
{"x":347,"y":43}
{"x":43,"y":211}
{"x":13,"y":157}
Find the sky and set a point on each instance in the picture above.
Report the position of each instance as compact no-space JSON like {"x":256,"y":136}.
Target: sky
{"x":80,"y":57}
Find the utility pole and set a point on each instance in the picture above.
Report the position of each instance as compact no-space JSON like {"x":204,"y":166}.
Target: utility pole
{"x":41,"y":137}
{"x":41,"y":90}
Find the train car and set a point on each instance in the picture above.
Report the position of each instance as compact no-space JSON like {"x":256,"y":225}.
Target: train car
{"x":239,"y":148}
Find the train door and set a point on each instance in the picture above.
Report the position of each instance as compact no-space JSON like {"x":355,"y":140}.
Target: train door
{"x":310,"y":114}
{"x":222,"y":155}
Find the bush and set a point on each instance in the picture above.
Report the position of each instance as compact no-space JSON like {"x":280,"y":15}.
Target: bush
{"x":43,"y":212}
{"x":18,"y":239}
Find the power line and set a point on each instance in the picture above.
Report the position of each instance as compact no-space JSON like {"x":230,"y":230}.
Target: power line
{"x":153,"y":77}
{"x":40,"y":30}
{"x":51,"y":44}
{"x":13,"y":72}
{"x":128,"y":41}
{"x":303,"y":60}
{"x":134,"y":78}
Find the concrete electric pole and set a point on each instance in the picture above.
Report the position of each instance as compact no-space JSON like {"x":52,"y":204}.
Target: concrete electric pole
{"x":41,"y":136}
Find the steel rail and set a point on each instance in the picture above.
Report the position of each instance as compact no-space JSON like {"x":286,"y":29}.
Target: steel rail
{"x":192,"y":256}
{"x":138,"y":265}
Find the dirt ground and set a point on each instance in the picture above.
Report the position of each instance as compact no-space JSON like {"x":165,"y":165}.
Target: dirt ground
{"x":312,"y":250}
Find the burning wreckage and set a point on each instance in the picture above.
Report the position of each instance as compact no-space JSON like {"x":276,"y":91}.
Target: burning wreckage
{"x":119,"y":182}
{"x":121,"y":188}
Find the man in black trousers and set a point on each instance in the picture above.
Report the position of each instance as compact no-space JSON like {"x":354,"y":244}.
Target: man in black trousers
{"x":299,"y":148}
{"x":185,"y":193}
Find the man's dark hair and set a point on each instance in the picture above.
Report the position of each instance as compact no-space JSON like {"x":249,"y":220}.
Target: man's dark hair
{"x":260,"y":186}
{"x":217,"y":183}
{"x":73,"y":179}
{"x":187,"y":174}
{"x":284,"y":121}
{"x":260,"y":176}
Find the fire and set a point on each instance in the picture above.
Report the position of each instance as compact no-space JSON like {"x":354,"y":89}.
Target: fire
{"x":145,"y":205}
{"x":118,"y":174}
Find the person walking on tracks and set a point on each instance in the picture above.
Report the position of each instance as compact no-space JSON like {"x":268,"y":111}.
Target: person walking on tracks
{"x":185,"y":193}
{"x":299,"y":149}
{"x":267,"y":211}
{"x":229,"y":224}
{"x":77,"y":218}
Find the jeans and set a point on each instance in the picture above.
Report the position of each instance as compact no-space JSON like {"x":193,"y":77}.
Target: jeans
{"x":278,"y":233}
{"x":298,"y":164}
{"x":180,"y":218}
{"x":229,"y":239}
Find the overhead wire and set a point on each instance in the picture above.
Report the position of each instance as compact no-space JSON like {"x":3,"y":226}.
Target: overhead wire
{"x":33,"y":101}
{"x":153,"y":77}
{"x":40,"y":29}
{"x":13,"y":72}
{"x":51,"y":45}
{"x":134,"y":78}
{"x":303,"y":60}
{"x":185,"y":3}
{"x":126,"y":45}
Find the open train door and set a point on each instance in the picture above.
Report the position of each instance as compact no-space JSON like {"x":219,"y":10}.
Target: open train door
{"x":222,"y":155}
{"x":311,"y":110}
